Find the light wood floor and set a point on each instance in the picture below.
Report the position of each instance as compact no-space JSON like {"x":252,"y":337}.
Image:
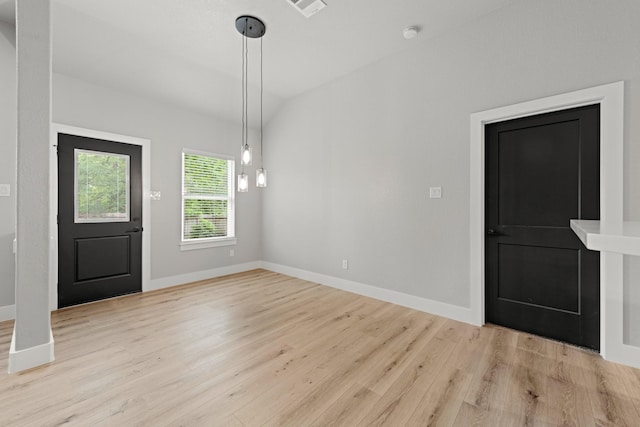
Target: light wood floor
{"x":260,"y":348}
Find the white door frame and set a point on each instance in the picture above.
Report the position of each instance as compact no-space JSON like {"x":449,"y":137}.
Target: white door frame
{"x":611,"y":100}
{"x":53,"y":201}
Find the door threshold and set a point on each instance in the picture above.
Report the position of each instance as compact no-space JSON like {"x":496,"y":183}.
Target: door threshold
{"x":575,"y":346}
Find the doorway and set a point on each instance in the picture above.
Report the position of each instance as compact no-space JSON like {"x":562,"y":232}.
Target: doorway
{"x":611,"y":99}
{"x":99,"y":219}
{"x":542,"y":171}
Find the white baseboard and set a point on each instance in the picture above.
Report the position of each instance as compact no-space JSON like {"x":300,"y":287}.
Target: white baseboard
{"x":624,"y":354}
{"x":8,"y":312}
{"x":462,"y":314}
{"x":21,"y":360}
{"x":181,"y":279}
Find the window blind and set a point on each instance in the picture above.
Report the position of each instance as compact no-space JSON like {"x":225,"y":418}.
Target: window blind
{"x":207,"y":197}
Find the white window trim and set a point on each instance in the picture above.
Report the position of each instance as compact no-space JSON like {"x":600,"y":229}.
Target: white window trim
{"x":213,"y":242}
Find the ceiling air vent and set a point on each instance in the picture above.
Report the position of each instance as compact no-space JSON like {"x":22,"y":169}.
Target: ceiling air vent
{"x":308,"y":7}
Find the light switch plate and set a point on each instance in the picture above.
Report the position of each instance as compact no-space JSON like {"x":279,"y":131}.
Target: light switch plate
{"x":5,"y":190}
{"x":435,"y":192}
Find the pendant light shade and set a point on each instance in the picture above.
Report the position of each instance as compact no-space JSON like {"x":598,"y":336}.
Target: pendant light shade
{"x":243,"y":183}
{"x":261,"y":178}
{"x":245,"y":155}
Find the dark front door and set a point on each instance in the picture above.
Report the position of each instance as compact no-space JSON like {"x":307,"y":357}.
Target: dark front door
{"x":99,"y":219}
{"x":541,"y":172}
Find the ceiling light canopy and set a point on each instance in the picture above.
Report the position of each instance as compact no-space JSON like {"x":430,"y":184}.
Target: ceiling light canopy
{"x":250,"y":26}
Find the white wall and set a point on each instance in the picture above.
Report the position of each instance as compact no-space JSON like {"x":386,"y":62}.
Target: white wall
{"x":7,"y":161}
{"x":170,"y":129}
{"x":350,"y":162}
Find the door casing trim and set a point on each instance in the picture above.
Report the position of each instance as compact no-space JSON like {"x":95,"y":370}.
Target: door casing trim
{"x":57,"y":128}
{"x":611,"y":100}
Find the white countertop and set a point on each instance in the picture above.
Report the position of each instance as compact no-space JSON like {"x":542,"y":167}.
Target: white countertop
{"x":621,"y":237}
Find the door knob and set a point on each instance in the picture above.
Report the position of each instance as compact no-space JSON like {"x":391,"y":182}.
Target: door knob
{"x":492,"y":232}
{"x":134,"y":230}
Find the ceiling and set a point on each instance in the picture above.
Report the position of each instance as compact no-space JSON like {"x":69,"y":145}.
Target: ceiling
{"x":188,"y":52}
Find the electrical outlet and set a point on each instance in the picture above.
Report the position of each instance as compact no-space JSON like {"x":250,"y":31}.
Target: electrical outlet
{"x":232,"y":252}
{"x":345,"y":264}
{"x":5,"y":190}
{"x":435,"y":192}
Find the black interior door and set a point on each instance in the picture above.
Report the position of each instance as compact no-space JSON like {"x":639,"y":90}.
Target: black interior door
{"x":99,"y":219}
{"x":541,"y":172}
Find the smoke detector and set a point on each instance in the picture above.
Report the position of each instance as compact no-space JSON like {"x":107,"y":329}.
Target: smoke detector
{"x":410,"y":32}
{"x":308,"y":7}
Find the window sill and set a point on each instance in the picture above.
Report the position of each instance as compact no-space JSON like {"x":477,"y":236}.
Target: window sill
{"x":190,"y":246}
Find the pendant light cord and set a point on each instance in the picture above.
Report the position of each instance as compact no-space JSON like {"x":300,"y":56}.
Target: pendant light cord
{"x":243,"y":96}
{"x":261,"y":102}
{"x":246,"y":86}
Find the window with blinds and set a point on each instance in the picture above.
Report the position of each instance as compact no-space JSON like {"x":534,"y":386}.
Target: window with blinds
{"x":207,"y":197}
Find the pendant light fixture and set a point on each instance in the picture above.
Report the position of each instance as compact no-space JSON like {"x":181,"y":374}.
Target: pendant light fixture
{"x":249,"y":27}
{"x":243,"y":182}
{"x":261,"y":174}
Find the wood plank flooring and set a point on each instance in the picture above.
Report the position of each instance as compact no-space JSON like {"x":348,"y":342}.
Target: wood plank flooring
{"x":260,"y":348}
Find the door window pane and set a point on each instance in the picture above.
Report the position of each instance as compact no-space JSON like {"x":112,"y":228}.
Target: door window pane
{"x":101,"y":186}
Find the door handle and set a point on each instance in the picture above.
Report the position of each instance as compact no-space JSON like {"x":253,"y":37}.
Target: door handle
{"x":492,"y":232}
{"x":134,"y":230}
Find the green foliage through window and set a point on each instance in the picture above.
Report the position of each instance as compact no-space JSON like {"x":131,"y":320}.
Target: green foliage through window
{"x":101,"y":186}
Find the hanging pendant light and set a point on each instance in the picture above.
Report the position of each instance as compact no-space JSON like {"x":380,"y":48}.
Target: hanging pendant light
{"x":261,"y":174}
{"x":243,"y":183}
{"x":249,"y":27}
{"x":246,"y":155}
{"x":261,"y":177}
